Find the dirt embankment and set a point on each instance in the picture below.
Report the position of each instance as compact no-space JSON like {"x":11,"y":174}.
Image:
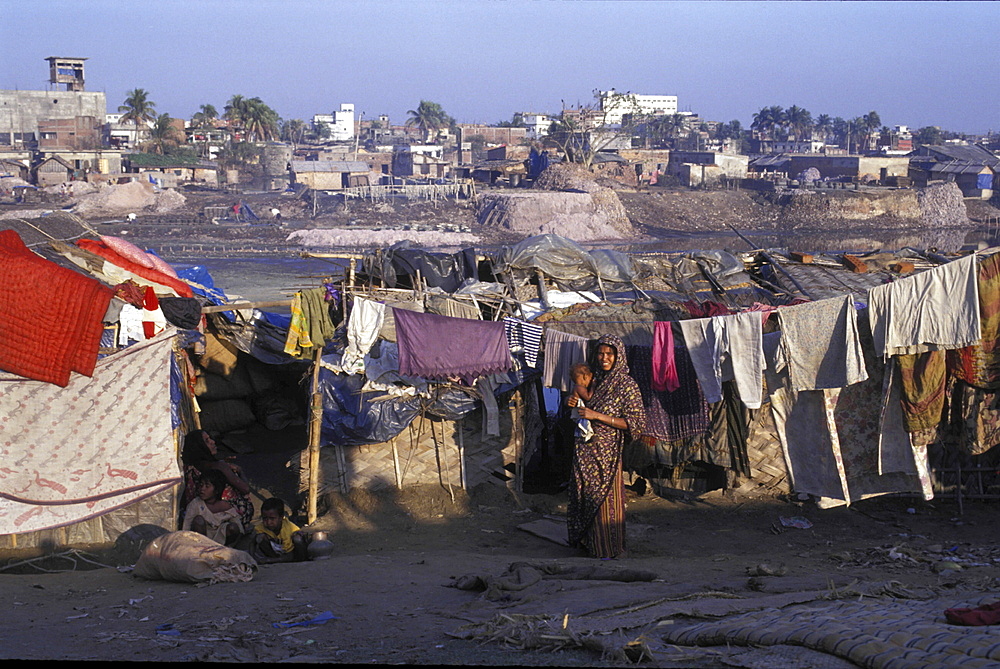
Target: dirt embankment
{"x":703,"y":211}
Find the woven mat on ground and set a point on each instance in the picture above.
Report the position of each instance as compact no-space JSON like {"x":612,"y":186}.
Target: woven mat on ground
{"x":880,"y":633}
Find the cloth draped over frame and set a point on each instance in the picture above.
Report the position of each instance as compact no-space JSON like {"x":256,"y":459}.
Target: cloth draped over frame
{"x":562,"y":351}
{"x":526,"y":337}
{"x":820,"y":344}
{"x":438,"y":347}
{"x":664,"y":365}
{"x":937,"y":309}
{"x":50,"y":316}
{"x":595,"y":516}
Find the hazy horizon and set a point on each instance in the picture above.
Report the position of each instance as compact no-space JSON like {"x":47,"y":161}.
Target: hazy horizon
{"x":915,"y":63}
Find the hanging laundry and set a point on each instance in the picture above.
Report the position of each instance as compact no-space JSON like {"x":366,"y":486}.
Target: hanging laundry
{"x":298,"y":329}
{"x":562,"y":351}
{"x":153,"y":320}
{"x":923,"y":377}
{"x":438,"y":347}
{"x":725,"y":348}
{"x":54,"y":328}
{"x":130,"y":325}
{"x":937,"y":309}
{"x":670,"y":416}
{"x":363,"y":328}
{"x":316,"y":311}
{"x":979,"y":364}
{"x":664,"y":367}
{"x":820,"y":344}
{"x":522,"y":336}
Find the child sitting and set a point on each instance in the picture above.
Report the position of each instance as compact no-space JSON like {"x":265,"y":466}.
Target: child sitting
{"x":581,"y":375}
{"x":211,"y":515}
{"x":276,"y":538}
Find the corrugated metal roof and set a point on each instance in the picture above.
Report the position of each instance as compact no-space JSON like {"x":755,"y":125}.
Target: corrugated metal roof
{"x":971,"y":153}
{"x":302,"y":166}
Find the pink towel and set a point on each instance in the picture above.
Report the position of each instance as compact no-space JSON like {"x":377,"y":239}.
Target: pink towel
{"x":664,"y":367}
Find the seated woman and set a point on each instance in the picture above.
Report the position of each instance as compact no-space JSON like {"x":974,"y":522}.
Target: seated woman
{"x":211,"y":515}
{"x":200,"y":455}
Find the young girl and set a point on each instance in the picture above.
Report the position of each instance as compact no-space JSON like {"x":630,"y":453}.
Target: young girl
{"x":211,"y":515}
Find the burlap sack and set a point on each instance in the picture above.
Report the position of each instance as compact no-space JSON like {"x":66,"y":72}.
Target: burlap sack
{"x":189,"y":557}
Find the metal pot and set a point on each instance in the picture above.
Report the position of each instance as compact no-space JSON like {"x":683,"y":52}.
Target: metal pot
{"x":320,"y":547}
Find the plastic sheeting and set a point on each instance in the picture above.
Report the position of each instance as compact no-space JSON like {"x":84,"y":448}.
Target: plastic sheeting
{"x":353,"y":418}
{"x":439,"y":270}
{"x":561,"y":259}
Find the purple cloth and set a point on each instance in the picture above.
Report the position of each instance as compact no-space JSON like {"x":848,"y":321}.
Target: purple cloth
{"x":664,"y":367}
{"x":437,"y":347}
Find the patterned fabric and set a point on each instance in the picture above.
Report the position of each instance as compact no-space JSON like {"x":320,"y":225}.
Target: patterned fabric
{"x":596,"y":512}
{"x":95,"y":445}
{"x":525,"y":337}
{"x":149,"y":275}
{"x":979,"y":364}
{"x":670,"y":416}
{"x":298,"y":330}
{"x":923,"y":377}
{"x":976,"y":419}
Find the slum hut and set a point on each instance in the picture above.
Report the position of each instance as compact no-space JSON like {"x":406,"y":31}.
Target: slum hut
{"x":91,"y":410}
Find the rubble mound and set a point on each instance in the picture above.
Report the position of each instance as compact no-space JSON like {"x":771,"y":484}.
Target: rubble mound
{"x":942,"y":205}
{"x":341,"y":238}
{"x":566,"y":200}
{"x":116,"y":199}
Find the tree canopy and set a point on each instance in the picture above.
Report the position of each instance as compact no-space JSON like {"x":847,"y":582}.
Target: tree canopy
{"x":429,"y":117}
{"x":138,"y":109}
{"x":258,"y":120}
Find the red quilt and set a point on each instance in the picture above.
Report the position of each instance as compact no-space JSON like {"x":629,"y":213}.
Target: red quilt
{"x":100,"y":248}
{"x":50,"y":316}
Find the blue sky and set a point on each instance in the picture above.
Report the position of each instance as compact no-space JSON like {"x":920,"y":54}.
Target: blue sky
{"x":915,"y":63}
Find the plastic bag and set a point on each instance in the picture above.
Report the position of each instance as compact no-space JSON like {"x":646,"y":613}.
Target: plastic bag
{"x":189,"y":557}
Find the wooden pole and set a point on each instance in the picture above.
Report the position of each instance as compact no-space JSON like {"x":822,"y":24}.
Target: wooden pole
{"x":461,"y":450}
{"x":395,"y":464}
{"x":315,"y":425}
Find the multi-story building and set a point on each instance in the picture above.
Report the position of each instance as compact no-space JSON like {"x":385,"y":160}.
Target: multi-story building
{"x":615,"y":107}
{"x":341,"y":123}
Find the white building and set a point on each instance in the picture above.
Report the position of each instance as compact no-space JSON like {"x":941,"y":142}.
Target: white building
{"x":652,"y":105}
{"x":341,"y":123}
{"x":537,"y":124}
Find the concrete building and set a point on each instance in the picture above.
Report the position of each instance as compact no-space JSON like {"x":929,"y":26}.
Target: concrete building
{"x":536,"y":125}
{"x":492,"y":134}
{"x":330,"y":174}
{"x":648,"y":105}
{"x":722,"y":164}
{"x":341,"y":123}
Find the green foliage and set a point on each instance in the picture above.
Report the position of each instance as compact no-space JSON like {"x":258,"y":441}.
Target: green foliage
{"x":163,"y":134}
{"x":138,"y":108}
{"x":928,"y":135}
{"x":204,"y":118}
{"x":429,"y":117}
{"x":258,"y":120}
{"x":240,"y":154}
{"x":516,"y":121}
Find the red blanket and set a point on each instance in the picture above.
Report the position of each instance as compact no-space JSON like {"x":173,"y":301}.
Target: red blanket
{"x":156,"y":276}
{"x":50,"y":316}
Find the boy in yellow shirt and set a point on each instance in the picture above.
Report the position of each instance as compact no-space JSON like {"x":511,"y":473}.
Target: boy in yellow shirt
{"x":276,"y":538}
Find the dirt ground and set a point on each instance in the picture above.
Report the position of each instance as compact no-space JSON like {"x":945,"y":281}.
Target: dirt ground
{"x":398,"y":555}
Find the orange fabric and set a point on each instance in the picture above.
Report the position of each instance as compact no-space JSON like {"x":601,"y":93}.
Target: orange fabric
{"x":109,"y":254}
{"x":51,"y":318}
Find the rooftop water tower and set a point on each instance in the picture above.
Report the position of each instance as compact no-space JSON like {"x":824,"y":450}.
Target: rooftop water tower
{"x":67,"y":71}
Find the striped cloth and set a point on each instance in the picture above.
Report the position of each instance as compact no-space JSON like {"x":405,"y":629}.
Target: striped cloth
{"x":526,"y":337}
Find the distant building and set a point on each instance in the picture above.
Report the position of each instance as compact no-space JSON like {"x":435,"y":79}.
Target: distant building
{"x":648,"y":105}
{"x":536,"y":125}
{"x":341,"y":123}
{"x":330,"y":174}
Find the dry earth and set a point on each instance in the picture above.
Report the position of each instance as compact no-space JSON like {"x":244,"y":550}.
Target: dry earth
{"x":389,"y":582}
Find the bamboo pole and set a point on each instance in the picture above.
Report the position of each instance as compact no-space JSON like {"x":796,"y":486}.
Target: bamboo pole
{"x":233,"y":306}
{"x":315,"y":424}
{"x":395,"y":464}
{"x":461,"y":450}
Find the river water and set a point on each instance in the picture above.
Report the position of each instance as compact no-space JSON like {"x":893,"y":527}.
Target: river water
{"x":275,"y":278}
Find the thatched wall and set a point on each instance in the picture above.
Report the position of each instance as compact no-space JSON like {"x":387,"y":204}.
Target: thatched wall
{"x":427,"y":452}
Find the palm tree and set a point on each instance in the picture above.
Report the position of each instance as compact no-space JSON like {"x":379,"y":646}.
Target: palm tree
{"x":293,"y":131}
{"x":205,"y":117}
{"x":871,"y":123}
{"x":823,"y":126}
{"x":137,"y":109}
{"x":429,"y":117}
{"x":260,"y":121}
{"x":799,"y":120}
{"x":163,"y":134}
{"x":767,"y":121}
{"x":235,"y":110}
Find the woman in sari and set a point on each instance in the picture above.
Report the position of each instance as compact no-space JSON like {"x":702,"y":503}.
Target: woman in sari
{"x":596,"y":513}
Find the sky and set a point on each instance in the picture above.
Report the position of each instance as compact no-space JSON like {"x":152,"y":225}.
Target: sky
{"x":915,"y":63}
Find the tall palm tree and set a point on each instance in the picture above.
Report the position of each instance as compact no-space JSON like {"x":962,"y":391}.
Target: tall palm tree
{"x":823,"y":126}
{"x":260,"y":121}
{"x":798,"y":120}
{"x":235,"y":110}
{"x":137,"y":109}
{"x":429,"y":117}
{"x":293,"y":130}
{"x":205,"y":116}
{"x":768,"y":121}
{"x":871,"y":122}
